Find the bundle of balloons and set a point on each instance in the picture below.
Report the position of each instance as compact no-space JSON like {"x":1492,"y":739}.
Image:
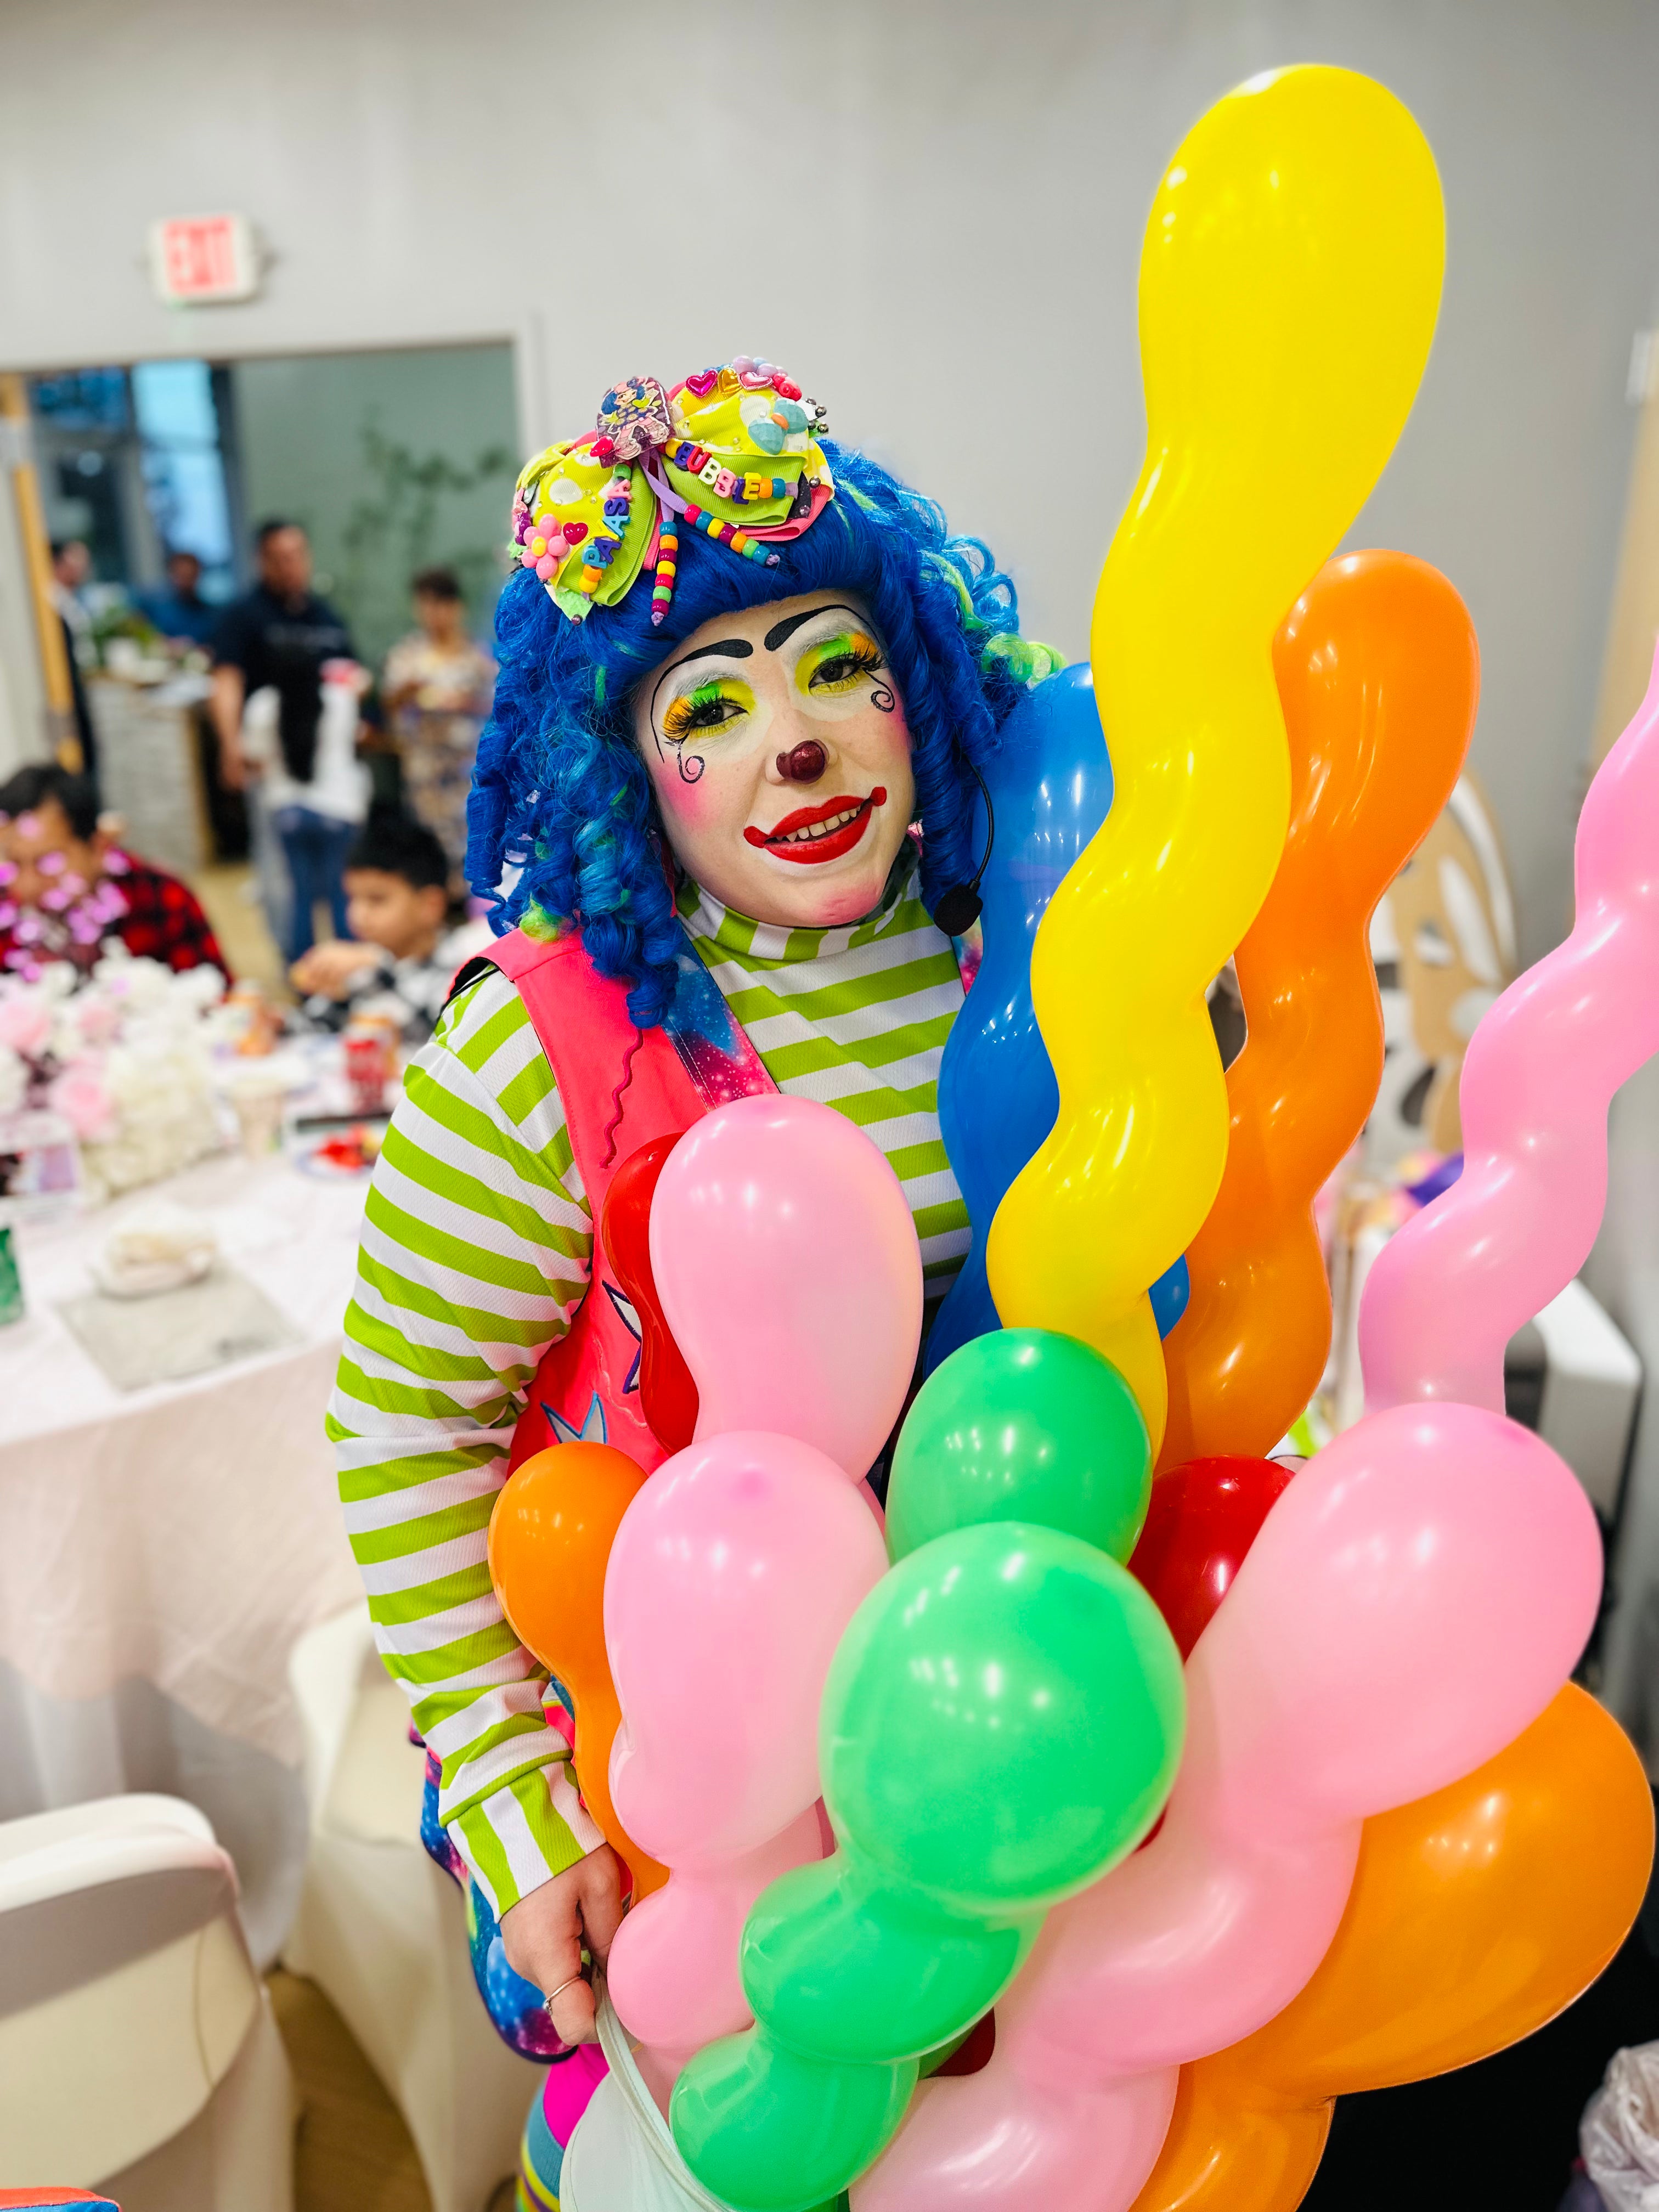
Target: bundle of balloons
{"x":1193,"y":1797}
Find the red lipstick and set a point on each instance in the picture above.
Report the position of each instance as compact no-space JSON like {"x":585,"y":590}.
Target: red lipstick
{"x":805,"y":837}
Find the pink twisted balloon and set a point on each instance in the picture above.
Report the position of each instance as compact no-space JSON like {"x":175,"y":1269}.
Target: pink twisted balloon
{"x":1451,"y":1289}
{"x":732,"y":1580}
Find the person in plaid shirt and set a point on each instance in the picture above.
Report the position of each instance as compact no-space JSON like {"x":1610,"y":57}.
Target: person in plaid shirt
{"x":66,"y":890}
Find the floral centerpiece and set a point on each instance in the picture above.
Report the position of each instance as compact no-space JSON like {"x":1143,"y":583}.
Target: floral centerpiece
{"x":115,"y":1051}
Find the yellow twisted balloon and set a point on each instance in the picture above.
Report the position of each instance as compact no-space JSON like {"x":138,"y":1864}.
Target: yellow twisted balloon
{"x":1290,"y":278}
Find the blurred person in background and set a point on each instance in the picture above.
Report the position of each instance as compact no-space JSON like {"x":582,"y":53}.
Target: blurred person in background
{"x":187,"y":622}
{"x":66,"y":888}
{"x":436,"y":687}
{"x":316,"y":806}
{"x":402,"y":955}
{"x":71,"y":568}
{"x":297,"y":764}
{"x":177,"y":607}
{"x":71,"y":571}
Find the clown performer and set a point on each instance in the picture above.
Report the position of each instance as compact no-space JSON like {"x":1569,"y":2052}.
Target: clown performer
{"x":725,"y":805}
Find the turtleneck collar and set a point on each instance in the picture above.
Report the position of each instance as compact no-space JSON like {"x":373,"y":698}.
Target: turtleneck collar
{"x":728,"y":930}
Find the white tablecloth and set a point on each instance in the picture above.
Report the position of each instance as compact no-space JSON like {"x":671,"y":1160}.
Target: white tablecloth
{"x":161,"y":1550}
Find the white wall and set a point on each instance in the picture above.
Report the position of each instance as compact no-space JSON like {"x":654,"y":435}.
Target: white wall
{"x":929,"y":210}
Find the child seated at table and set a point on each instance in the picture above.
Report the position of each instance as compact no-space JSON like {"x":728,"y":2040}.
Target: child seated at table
{"x":402,"y":954}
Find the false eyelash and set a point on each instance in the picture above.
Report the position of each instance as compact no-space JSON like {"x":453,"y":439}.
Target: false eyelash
{"x":686,"y":716}
{"x":856,"y":656}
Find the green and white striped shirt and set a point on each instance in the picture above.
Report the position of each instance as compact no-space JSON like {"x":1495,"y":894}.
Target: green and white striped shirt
{"x":476,"y":1245}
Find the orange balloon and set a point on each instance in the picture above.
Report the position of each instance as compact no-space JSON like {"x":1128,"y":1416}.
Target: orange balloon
{"x":551,"y":1534}
{"x":1476,"y":1916}
{"x":1378,"y":673}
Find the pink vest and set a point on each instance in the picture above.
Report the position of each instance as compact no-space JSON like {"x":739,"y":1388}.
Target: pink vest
{"x":620,"y":1087}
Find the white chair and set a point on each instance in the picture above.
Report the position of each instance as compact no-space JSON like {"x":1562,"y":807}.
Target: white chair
{"x":138,"y":2051}
{"x":382,"y":1931}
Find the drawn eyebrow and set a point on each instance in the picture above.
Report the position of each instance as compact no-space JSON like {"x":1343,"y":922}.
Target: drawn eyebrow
{"x":780,"y":633}
{"x":735,"y":648}
{"x":739,"y":647}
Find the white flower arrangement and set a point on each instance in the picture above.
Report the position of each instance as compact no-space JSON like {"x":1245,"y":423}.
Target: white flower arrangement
{"x":122,"y":1055}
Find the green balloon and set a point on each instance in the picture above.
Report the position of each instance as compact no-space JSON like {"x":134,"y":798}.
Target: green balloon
{"x":1022,"y":1425}
{"x":1002,"y":1724}
{"x":821,"y":1940}
{"x":767,"y":2130}
{"x":1002,"y":1720}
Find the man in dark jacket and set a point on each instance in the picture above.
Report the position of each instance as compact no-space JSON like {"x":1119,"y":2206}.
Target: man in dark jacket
{"x":278,"y":634}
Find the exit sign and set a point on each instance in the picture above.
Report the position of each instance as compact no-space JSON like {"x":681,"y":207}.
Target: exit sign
{"x":203,"y":258}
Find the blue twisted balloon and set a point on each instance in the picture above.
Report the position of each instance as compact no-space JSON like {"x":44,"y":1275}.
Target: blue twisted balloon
{"x":1050,"y":784}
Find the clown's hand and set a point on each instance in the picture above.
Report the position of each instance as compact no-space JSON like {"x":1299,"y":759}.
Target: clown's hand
{"x":544,"y":1935}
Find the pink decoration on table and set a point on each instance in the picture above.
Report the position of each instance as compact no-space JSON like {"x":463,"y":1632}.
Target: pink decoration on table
{"x":1447,"y":1294}
{"x":732,"y":1576}
{"x":26,"y":1023}
{"x":770,"y":1191}
{"x":80,"y":1095}
{"x":1414,"y":1601}
{"x":95,"y":1016}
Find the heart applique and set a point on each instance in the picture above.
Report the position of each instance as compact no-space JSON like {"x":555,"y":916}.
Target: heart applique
{"x":575,"y":531}
{"x":703,"y":382}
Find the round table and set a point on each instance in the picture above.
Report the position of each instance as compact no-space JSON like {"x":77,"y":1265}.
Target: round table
{"x":161,"y":1549}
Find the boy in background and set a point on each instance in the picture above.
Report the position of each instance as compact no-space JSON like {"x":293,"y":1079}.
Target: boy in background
{"x":401,"y":955}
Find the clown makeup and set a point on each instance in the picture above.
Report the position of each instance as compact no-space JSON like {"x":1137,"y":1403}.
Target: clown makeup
{"x":776,"y":746}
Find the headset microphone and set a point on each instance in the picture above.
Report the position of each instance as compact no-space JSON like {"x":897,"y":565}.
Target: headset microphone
{"x":958,"y":908}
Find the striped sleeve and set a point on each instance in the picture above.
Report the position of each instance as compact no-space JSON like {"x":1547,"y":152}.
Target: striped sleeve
{"x":475,"y":1249}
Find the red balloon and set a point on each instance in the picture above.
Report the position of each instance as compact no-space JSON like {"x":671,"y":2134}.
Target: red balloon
{"x":668,"y":1396}
{"x":1203,"y":1518}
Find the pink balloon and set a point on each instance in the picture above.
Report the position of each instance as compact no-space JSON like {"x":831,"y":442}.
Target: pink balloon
{"x":786,"y":1262}
{"x":674,"y":1970}
{"x":1414,"y":1601}
{"x":1449,"y":1292}
{"x":733,"y":1574}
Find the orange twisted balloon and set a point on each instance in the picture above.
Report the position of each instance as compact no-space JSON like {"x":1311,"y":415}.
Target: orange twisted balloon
{"x":1476,"y":1915}
{"x":1378,"y":673}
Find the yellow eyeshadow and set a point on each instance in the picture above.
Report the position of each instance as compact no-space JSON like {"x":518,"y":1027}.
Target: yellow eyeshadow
{"x":689,"y":715}
{"x":853,"y":646}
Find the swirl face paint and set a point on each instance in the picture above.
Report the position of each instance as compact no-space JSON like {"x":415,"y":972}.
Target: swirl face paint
{"x":777,"y":748}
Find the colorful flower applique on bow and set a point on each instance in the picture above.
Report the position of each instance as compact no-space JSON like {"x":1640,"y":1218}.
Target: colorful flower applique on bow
{"x":731,"y":452}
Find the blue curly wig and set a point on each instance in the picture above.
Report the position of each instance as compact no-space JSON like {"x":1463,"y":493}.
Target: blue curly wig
{"x":561,"y":794}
